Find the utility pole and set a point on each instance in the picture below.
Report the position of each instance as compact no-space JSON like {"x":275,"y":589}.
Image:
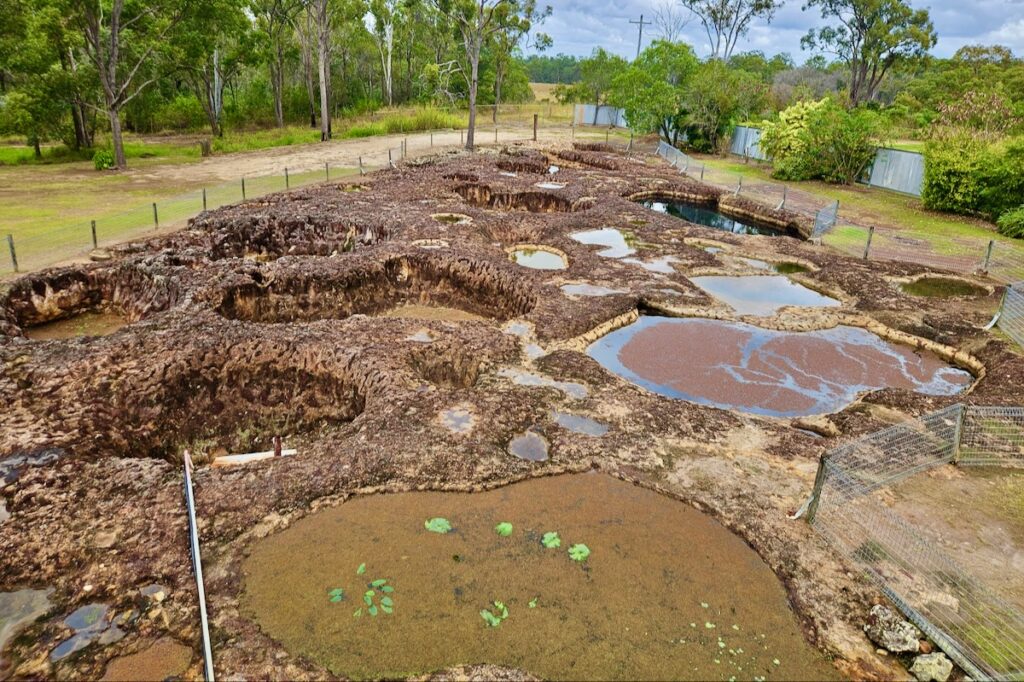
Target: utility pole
{"x":640,"y":39}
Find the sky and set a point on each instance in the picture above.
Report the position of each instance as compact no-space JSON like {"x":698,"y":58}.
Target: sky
{"x":578,"y":26}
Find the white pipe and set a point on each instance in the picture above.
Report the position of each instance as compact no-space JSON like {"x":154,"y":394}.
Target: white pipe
{"x":197,"y":564}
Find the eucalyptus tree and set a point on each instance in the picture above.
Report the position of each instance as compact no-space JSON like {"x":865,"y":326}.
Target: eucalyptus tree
{"x":127,"y":42}
{"x":274,"y":21}
{"x":518,"y":32}
{"x":726,"y":21}
{"x":384,"y":14}
{"x":871,"y":37}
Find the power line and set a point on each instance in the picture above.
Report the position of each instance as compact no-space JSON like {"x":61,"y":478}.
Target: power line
{"x":640,"y":39}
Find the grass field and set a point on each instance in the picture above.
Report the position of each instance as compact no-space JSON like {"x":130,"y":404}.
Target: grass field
{"x":543,"y":91}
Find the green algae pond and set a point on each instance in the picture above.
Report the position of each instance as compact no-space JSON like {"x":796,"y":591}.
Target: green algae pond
{"x":572,"y":577}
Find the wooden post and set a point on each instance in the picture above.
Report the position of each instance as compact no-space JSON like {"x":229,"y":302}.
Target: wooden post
{"x":156,"y":218}
{"x":277,"y":446}
{"x":94,"y":242}
{"x":535,"y":117}
{"x":867,"y":247}
{"x":287,"y":184}
{"x":819,"y":483}
{"x":243,"y":189}
{"x":327,"y":170}
{"x":204,"y":198}
{"x":988,"y":256}
{"x":14,"y":255}
{"x":361,"y":171}
{"x":495,"y":134}
{"x":431,"y":139}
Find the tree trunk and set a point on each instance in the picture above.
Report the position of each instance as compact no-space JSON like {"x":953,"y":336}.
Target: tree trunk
{"x":323,"y":59}
{"x":35,"y":147}
{"x":115,"y":135}
{"x":277,"y":83}
{"x":473,"y":84}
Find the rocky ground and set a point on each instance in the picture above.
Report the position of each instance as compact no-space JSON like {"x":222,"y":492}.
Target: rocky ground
{"x":261,"y":319}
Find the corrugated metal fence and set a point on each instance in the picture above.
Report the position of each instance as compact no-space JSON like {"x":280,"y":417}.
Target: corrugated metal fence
{"x":746,"y":142}
{"x":599,"y":115}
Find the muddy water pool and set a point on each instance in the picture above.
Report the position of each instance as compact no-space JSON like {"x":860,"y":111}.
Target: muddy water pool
{"x":665,"y":593}
{"x":762,"y":295}
{"x":759,"y":371}
{"x":94,"y":323}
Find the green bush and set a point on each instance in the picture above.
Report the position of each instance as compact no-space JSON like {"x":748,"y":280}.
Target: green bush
{"x":103,"y":159}
{"x":953,"y":171}
{"x":1003,"y":179}
{"x":821,"y":141}
{"x":1011,"y":223}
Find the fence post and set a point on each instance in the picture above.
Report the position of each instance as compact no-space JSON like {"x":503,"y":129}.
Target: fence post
{"x":94,"y":243}
{"x":819,"y":483}
{"x":495,"y":134}
{"x":287,"y":183}
{"x":535,"y":117}
{"x":867,"y":247}
{"x":988,"y":256}
{"x":461,"y":134}
{"x":243,"y":188}
{"x":405,"y":147}
{"x":703,"y":166}
{"x":156,"y":218}
{"x":327,"y":170}
{"x":739,"y":186}
{"x":204,"y":198}
{"x":607,"y":136}
{"x":361,"y":171}
{"x":785,"y":195}
{"x":14,"y":255}
{"x":431,"y":138}
{"x":573,"y":126}
{"x":958,"y":433}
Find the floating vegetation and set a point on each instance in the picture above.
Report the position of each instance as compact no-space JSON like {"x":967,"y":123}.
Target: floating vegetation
{"x":504,"y":529}
{"x":336,"y":595}
{"x":438,"y":525}
{"x":494,"y":617}
{"x":361,"y":569}
{"x":579,"y":552}
{"x":377,"y":599}
{"x":791,"y":268}
{"x":551,"y":540}
{"x":943,"y":287}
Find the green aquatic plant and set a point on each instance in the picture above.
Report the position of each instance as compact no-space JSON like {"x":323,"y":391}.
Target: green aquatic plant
{"x":438,"y":525}
{"x":579,"y":552}
{"x":533,"y":603}
{"x":371,"y":598}
{"x":551,"y":540}
{"x":494,"y":617}
{"x":504,"y":529}
{"x":336,"y":595}
{"x":361,"y":569}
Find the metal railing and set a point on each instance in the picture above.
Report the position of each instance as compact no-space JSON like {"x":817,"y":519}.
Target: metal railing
{"x":976,"y":626}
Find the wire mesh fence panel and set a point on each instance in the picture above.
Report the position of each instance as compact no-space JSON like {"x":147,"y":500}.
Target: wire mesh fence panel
{"x":992,"y":436}
{"x":971,"y":621}
{"x":1011,"y":319}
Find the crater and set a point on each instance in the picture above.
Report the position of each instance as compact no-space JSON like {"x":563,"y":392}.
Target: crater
{"x":709,"y":216}
{"x":616,"y":243}
{"x":424,"y":279}
{"x":765,"y":372}
{"x":932,"y":286}
{"x":657,"y":614}
{"x":84,"y":303}
{"x":533,"y":202}
{"x":236,"y":405}
{"x":452,"y":218}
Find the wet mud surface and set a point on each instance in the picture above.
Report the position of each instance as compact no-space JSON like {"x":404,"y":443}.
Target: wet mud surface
{"x":630,"y":610}
{"x":275,"y":317}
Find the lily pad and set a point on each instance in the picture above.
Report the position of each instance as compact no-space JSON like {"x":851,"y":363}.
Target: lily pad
{"x":336,"y":595}
{"x":579,"y":552}
{"x":551,"y":540}
{"x":379,"y":583}
{"x":387,"y":601}
{"x":438,"y":525}
{"x":387,"y":589}
{"x":361,"y":569}
{"x":533,"y":603}
{"x":387,"y":609}
{"x":490,"y":618}
{"x":504,"y":529}
{"x":372,"y":610}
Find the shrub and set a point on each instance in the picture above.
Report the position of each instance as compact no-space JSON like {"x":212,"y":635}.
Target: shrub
{"x":953,"y":175}
{"x":1011,"y":223}
{"x":1003,"y":179}
{"x":784,"y":141}
{"x":103,"y":159}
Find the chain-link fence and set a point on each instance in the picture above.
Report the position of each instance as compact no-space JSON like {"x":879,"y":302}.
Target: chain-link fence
{"x":969,"y":619}
{"x":59,"y":243}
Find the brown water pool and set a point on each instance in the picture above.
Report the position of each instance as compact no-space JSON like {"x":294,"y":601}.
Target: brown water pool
{"x":93,"y":323}
{"x":666,"y":592}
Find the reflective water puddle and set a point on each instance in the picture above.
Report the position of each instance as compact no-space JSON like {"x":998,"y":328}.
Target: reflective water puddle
{"x":580,"y":577}
{"x":530,"y":446}
{"x":589,"y":290}
{"x":579,"y":424}
{"x":11,"y":468}
{"x":615,"y":241}
{"x":91,"y":623}
{"x":95,"y":323}
{"x":18,"y":609}
{"x":778,"y":374}
{"x":661,"y":265}
{"x":524,"y":378}
{"x":762,"y":295}
{"x":458,"y":419}
{"x":550,"y":185}
{"x":709,"y":217}
{"x":538,"y":259}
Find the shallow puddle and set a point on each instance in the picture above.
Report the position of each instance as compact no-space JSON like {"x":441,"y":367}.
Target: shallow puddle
{"x":538,"y":259}
{"x":762,"y":295}
{"x":665,"y":593}
{"x":589,"y":290}
{"x":779,"y":374}
{"x":430,"y":312}
{"x":661,"y":265}
{"x":11,"y":468}
{"x":165,"y":658}
{"x":94,"y":323}
{"x":550,"y":185}
{"x":90,"y":623}
{"x":458,"y":419}
{"x":524,"y":378}
{"x":709,"y":217}
{"x":529,"y":446}
{"x":579,"y":424}
{"x":615,"y":241}
{"x":17,"y":610}
{"x":757,"y":264}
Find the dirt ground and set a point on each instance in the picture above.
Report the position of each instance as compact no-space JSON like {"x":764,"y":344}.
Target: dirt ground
{"x":268,"y":318}
{"x":976,"y":516}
